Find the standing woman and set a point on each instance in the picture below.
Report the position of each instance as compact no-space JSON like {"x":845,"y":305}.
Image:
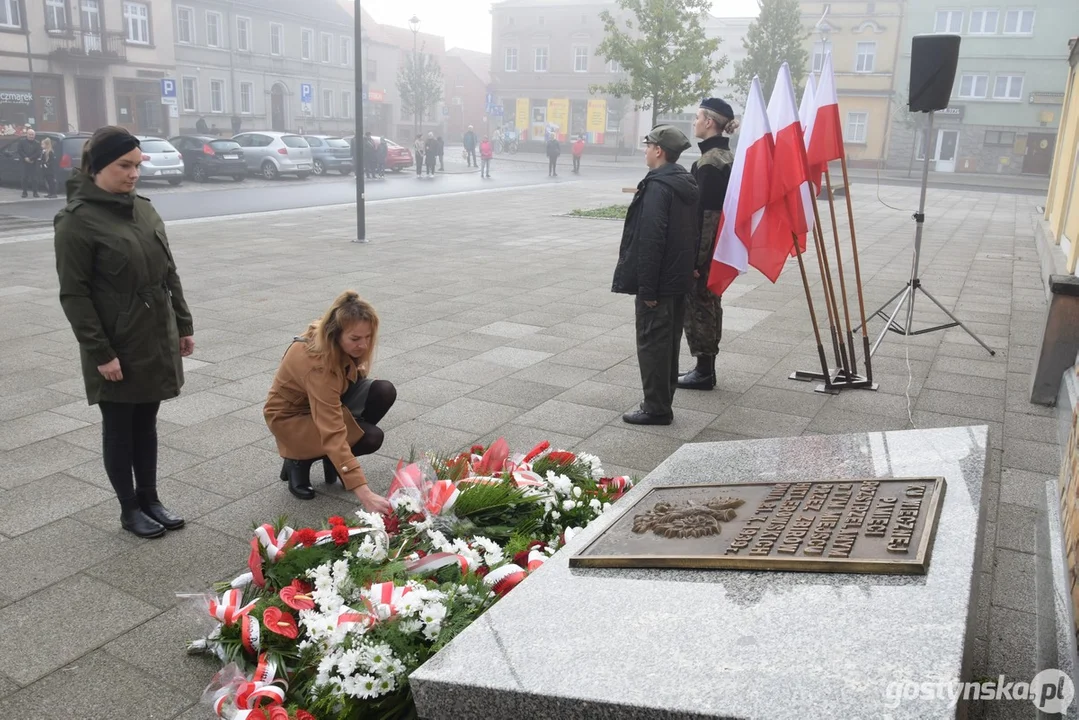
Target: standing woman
{"x":49,"y":164}
{"x":122,"y":296}
{"x":323,"y":404}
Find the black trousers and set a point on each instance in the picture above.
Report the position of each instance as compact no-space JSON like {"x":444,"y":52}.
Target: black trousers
{"x":659,"y":337}
{"x":30,"y":177}
{"x":129,"y":444}
{"x":576,"y":163}
{"x":419,"y":162}
{"x":369,"y":402}
{"x":471,"y":156}
{"x":553,"y":169}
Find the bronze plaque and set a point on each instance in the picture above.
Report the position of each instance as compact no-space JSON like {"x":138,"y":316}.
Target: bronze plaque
{"x":883,"y":526}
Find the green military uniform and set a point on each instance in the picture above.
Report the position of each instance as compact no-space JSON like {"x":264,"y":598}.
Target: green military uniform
{"x":704,"y":312}
{"x":120,"y":292}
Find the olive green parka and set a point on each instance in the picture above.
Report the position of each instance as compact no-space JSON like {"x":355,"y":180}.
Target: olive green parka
{"x":120,"y":292}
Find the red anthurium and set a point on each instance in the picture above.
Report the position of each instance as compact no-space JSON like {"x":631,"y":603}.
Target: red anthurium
{"x":297,"y":596}
{"x":304,"y":715}
{"x":280,"y":622}
{"x":562,"y":457}
{"x":279,"y":713}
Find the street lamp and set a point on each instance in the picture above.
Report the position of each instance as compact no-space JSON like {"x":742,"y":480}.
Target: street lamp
{"x":414,"y":25}
{"x":357,"y":138}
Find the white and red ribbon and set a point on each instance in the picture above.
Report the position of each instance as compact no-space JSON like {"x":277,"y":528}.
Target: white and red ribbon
{"x":350,"y":617}
{"x":274,"y":547}
{"x":505,"y":578}
{"x":441,"y":496}
{"x":381,"y":599}
{"x":250,"y":634}
{"x":227,"y":609}
{"x":436,"y":561}
{"x":247,"y":696}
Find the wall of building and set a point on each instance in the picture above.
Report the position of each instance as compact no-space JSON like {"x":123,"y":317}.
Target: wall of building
{"x":1062,"y":203}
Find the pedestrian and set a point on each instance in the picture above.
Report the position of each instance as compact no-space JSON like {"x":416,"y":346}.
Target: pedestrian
{"x":487,"y":152}
{"x":470,"y":147}
{"x":382,"y":153}
{"x":655,"y":263}
{"x":578,"y":151}
{"x":417,"y":148}
{"x":121,"y":294}
{"x":430,"y":153}
{"x":369,"y":159}
{"x":236,"y":124}
{"x":201,"y":127}
{"x":49,"y":165}
{"x":441,"y":149}
{"x":29,"y":152}
{"x":323,"y":403}
{"x":553,"y":151}
{"x":704,"y":310}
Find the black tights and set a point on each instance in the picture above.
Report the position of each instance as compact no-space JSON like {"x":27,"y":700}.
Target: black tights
{"x":380,"y":398}
{"x":129,"y":438}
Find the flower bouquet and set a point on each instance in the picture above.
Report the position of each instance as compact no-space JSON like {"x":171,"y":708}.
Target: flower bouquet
{"x":329,"y":622}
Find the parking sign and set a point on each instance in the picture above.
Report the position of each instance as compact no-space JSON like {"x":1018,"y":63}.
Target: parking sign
{"x":168,"y":91}
{"x":305,"y":92}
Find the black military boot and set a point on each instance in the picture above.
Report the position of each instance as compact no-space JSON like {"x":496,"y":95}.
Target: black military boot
{"x":297,"y":473}
{"x":151,"y":507}
{"x":702,"y":377}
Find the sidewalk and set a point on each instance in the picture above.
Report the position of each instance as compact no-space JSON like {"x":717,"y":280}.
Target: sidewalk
{"x":508,"y":333}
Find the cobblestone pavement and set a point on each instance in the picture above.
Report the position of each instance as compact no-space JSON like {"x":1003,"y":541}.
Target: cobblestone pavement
{"x":497,"y":320}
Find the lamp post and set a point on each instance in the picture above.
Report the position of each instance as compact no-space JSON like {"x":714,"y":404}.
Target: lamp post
{"x":357,"y":140}
{"x":414,"y":25}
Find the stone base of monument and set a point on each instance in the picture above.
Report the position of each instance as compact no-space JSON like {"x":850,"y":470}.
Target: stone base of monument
{"x":649,"y":643}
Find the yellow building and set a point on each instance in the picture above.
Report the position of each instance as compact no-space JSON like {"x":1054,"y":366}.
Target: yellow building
{"x":863,"y":38}
{"x":1062,"y":205}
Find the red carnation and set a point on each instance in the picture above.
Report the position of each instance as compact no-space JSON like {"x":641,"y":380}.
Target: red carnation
{"x":417,"y":517}
{"x":482,"y":570}
{"x":477,"y":449}
{"x":336,"y":520}
{"x":339,"y":534}
{"x":562,"y":457}
{"x":305,"y":537}
{"x":304,"y":715}
{"x":392,"y":523}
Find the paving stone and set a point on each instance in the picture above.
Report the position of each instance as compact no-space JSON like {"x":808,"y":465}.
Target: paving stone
{"x":759,"y":423}
{"x":45,"y":500}
{"x":31,"y":462}
{"x":401,"y":412}
{"x":834,"y":421}
{"x":1033,"y":456}
{"x":515,"y":358}
{"x":169,"y":462}
{"x":515,"y":392}
{"x":1023,"y":488}
{"x":990,"y":409}
{"x":966,"y":384}
{"x":1013,"y":580}
{"x":419,"y":436}
{"x":585,"y":357}
{"x":469,"y":415}
{"x":508,"y":329}
{"x":564,"y":376}
{"x":687,"y":424}
{"x":1016,"y":527}
{"x":91,"y":613}
{"x":437,"y":354}
{"x":188,"y":501}
{"x":192,"y":409}
{"x":31,"y":401}
{"x":237,"y":519}
{"x":570,"y":418}
{"x":1031,"y":427}
{"x":602,"y":395}
{"x":432,"y":391}
{"x":522,"y":438}
{"x":234,"y":474}
{"x":216,"y":437}
{"x":34,"y":428}
{"x":238,"y":368}
{"x":991,"y":369}
{"x":800,"y":399}
{"x":630,"y":448}
{"x":476,"y":372}
{"x":1013,"y":640}
{"x":544,"y":343}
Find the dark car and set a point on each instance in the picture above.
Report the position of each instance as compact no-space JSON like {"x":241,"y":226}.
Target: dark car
{"x":67,"y":146}
{"x":330,"y":153}
{"x":397,"y":157}
{"x":206,"y":156}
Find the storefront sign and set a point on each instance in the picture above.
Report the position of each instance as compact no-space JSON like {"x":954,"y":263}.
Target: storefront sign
{"x":521,"y":120}
{"x":376,"y":96}
{"x":558,"y":115}
{"x":1047,"y":98}
{"x":15,"y":98}
{"x":596,"y":121}
{"x":955,"y":112}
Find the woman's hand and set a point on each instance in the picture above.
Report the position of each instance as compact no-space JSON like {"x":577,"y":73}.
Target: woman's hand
{"x":187,"y":345}
{"x":111,"y":370}
{"x":372,"y":501}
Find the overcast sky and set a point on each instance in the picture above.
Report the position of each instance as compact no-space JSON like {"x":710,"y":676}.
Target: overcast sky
{"x":467,"y":23}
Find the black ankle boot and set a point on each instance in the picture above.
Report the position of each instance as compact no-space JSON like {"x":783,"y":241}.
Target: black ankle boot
{"x":702,"y":377}
{"x":135,"y":521}
{"x":297,"y":473}
{"x":153,"y":509}
{"x":329,"y":471}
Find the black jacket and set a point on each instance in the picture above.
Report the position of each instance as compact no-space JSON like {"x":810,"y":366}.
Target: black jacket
{"x":553,"y":148}
{"x":660,"y":236}
{"x":29,"y":150}
{"x":470,"y":140}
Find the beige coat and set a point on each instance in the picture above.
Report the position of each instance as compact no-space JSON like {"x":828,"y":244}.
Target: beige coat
{"x":305,"y":414}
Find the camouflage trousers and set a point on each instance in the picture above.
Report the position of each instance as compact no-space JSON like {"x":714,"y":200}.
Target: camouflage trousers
{"x":704,"y":321}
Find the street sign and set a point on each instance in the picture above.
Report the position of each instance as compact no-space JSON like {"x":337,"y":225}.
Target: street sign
{"x":445,"y":112}
{"x":168,"y":91}
{"x":490,"y":99}
{"x":497,"y":110}
{"x":305,"y":93}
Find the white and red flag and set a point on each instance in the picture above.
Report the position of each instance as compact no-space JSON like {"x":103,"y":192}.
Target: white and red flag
{"x":807,"y":113}
{"x":826,"y":133}
{"x":741,"y":224}
{"x":789,"y":175}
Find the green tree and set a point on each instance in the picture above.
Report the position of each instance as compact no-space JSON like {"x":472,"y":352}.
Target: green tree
{"x":663,"y":51}
{"x":420,"y":83}
{"x":777,"y":36}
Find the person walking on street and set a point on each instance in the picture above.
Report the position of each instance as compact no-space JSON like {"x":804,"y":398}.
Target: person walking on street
{"x":578,"y":151}
{"x":29,"y":150}
{"x":487,"y":151}
{"x":470,"y":147}
{"x":417,"y":149}
{"x":122,"y":296}
{"x":49,"y":165}
{"x":704,"y":310}
{"x":430,"y":153}
{"x":369,"y":159}
{"x":553,"y":151}
{"x":655,"y":263}
{"x":382,"y":153}
{"x":441,"y":148}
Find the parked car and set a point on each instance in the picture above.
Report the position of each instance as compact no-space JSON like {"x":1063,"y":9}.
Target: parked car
{"x":68,"y":147}
{"x":329,"y":153}
{"x":272,"y":153}
{"x":397,"y":157}
{"x":160,"y":161}
{"x":206,"y":156}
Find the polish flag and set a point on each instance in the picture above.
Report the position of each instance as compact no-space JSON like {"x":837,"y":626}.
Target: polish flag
{"x":741,"y":223}
{"x":826,"y":139}
{"x":788,"y":177}
{"x":807,"y":112}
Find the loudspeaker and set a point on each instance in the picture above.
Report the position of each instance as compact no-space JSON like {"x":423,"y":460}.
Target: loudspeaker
{"x":933,"y":59}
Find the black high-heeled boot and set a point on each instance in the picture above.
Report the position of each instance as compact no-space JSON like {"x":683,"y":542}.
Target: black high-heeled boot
{"x":329,"y":471}
{"x":297,"y":473}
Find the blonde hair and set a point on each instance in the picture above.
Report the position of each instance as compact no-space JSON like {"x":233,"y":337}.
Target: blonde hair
{"x":323,"y":335}
{"x":46,"y":145}
{"x":724,"y":125}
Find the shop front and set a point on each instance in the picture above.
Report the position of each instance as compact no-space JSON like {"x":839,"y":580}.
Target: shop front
{"x":139,"y":108}
{"x":39,"y":104}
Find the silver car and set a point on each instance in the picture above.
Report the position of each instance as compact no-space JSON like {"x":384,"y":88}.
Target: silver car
{"x":272,"y":154}
{"x":160,"y":160}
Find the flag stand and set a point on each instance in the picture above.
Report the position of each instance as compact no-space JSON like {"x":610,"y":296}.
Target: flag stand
{"x":813,"y":318}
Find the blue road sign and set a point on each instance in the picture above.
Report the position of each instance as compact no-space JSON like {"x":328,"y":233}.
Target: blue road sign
{"x":168,"y":88}
{"x":305,"y":92}
{"x":490,"y":99}
{"x":497,"y":110}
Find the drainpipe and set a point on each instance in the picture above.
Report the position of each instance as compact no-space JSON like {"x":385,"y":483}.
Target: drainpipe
{"x":30,"y":67}
{"x":230,"y":26}
{"x":895,"y":68}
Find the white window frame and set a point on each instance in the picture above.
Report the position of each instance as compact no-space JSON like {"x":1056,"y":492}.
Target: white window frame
{"x":546,"y":58}
{"x":950,"y":21}
{"x":327,"y":103}
{"x":243,"y":36}
{"x":972,"y":93}
{"x":865,"y":62}
{"x":133,"y":20}
{"x":220,"y":29}
{"x":1019,"y":11}
{"x":194,"y":106}
{"x":280,"y":37}
{"x":1008,"y":96}
{"x":346,"y":104}
{"x":345,"y":43}
{"x":577,"y":57}
{"x":516,"y":59}
{"x":214,"y":82}
{"x":250,"y":104}
{"x":12,"y":14}
{"x":849,"y":134}
{"x":820,"y":49}
{"x":325,"y":48}
{"x":50,"y":7}
{"x":614,"y":67}
{"x":983,"y":28}
{"x":182,"y":10}
{"x":307,"y":35}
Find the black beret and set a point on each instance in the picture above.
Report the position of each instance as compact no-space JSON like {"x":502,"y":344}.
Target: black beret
{"x":718,"y":105}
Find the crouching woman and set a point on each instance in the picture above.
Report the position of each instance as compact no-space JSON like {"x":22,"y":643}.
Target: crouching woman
{"x":323,"y":403}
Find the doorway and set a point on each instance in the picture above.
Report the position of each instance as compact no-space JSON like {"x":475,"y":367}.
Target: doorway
{"x":1039,"y":157}
{"x":947,"y":145}
{"x":278,"y":102}
{"x":90,"y":102}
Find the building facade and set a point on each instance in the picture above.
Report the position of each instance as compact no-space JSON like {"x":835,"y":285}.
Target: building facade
{"x":252,"y":60}
{"x":468,"y":75}
{"x":1062,"y":202}
{"x":1008,"y":91}
{"x":863,"y":39}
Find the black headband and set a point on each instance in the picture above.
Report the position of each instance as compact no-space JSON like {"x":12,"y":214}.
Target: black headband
{"x":110,"y":149}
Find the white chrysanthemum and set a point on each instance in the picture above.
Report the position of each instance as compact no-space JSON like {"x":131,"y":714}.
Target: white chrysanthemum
{"x":371,"y":520}
{"x":568,"y":505}
{"x":492,"y":553}
{"x":365,"y":686}
{"x":595,"y":505}
{"x":559,"y":483}
{"x":409,"y":627}
{"x":555,"y":514}
{"x":576,"y":491}
{"x":594,"y":462}
{"x":346,"y":665}
{"x":431,"y":630}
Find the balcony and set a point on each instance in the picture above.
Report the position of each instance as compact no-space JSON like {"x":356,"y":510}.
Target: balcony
{"x":106,"y":47}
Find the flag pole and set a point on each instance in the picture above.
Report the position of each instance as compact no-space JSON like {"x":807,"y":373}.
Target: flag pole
{"x":813,"y":315}
{"x":868,"y":357}
{"x":853,"y":369}
{"x":829,"y":289}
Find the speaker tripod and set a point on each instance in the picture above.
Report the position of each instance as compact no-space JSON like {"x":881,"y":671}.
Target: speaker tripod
{"x":914,"y":285}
